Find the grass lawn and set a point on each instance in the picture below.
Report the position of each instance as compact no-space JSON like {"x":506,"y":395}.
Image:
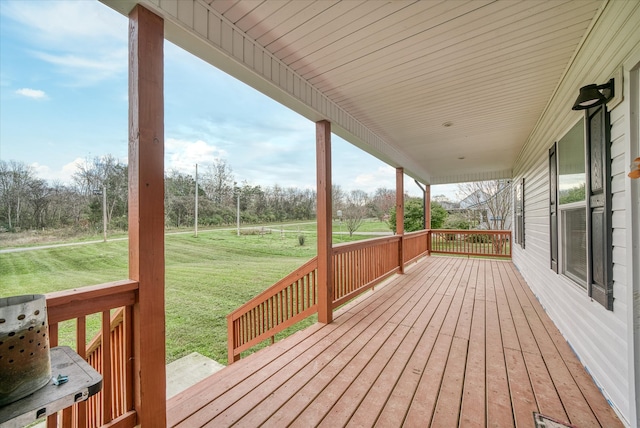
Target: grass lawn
{"x":206,"y":278}
{"x":368,"y":225}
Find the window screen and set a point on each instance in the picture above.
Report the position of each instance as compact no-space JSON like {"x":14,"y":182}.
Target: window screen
{"x":574,"y":239}
{"x":571,"y":173}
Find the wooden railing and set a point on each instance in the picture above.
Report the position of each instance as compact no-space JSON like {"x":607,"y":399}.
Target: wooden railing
{"x":288,"y":301}
{"x":120,"y":355}
{"x":360,"y":265}
{"x":414,"y":245}
{"x":487,"y":243}
{"x":112,"y":357}
{"x":357,"y":267}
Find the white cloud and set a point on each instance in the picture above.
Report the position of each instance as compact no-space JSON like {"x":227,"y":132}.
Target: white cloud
{"x":36,"y":94}
{"x":449,"y":190}
{"x":84,"y":40}
{"x":383,"y":176}
{"x":183,"y":155}
{"x":76,"y":24}
{"x":64,"y":174}
{"x":86,"y":70}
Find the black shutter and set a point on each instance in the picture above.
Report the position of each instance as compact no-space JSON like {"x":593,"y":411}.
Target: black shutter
{"x":600,"y":272}
{"x":553,"y":206}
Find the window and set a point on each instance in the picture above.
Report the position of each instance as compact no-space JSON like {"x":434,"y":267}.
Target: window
{"x":572,"y":204}
{"x":580,"y":206}
{"x":574,"y":240}
{"x":571,"y":174}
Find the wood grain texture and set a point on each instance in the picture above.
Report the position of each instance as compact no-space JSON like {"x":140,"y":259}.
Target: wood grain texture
{"x":452,"y":342}
{"x":400,"y":214}
{"x":146,"y":211}
{"x":324,"y":221}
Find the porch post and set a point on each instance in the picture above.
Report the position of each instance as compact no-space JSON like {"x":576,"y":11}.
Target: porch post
{"x":324,"y":216}
{"x":400,"y":215}
{"x":146,"y":212}
{"x":427,"y":214}
{"x":427,"y":206}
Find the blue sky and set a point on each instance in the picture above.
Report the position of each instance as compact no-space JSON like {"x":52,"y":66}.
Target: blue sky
{"x":63,"y":98}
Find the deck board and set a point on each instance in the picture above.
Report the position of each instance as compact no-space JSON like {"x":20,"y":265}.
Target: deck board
{"x":454,"y":341}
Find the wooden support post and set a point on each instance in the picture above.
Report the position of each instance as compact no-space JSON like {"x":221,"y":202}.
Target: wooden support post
{"x":146,"y":212}
{"x":427,"y":206}
{"x":400,"y":215}
{"x":324,"y":217}
{"x":427,"y":215}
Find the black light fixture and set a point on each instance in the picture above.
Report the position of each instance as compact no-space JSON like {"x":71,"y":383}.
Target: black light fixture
{"x":593,"y":95}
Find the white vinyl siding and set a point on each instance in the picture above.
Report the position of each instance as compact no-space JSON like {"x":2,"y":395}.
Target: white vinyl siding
{"x":598,"y":336}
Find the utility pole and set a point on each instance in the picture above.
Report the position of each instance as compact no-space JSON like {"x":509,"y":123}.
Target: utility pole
{"x":104,"y":212}
{"x":196,"y":214}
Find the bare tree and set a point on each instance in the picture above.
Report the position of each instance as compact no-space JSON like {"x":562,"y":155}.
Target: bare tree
{"x":15,"y":179}
{"x":492,"y":198}
{"x":355,"y":210}
{"x":103,"y":173}
{"x":179,"y":197}
{"x":383,"y":200}
{"x":337,"y":199}
{"x":219,"y":183}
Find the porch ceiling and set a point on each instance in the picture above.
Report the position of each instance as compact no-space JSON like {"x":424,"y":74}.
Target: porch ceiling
{"x":430,"y":81}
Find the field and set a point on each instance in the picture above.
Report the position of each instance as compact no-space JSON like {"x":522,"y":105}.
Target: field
{"x":206,"y":277}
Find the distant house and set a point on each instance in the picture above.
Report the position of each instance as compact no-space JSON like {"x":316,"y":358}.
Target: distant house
{"x":449,"y":205}
{"x":488,"y":215}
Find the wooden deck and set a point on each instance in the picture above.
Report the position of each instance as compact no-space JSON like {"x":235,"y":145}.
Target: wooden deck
{"x":454,"y":341}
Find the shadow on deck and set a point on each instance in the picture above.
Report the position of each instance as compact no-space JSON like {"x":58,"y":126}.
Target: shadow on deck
{"x":454,"y":341}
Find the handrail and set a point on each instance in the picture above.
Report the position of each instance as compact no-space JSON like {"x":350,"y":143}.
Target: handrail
{"x":365,"y":243}
{"x":357,"y":267}
{"x":70,"y":304}
{"x":112,"y":358}
{"x":484,"y":243}
{"x":286,"y":302}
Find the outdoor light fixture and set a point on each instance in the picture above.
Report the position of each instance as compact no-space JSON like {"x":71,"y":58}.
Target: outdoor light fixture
{"x":593,"y":95}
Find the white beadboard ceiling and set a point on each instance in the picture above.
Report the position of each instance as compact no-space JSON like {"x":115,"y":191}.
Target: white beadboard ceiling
{"x":450,"y":90}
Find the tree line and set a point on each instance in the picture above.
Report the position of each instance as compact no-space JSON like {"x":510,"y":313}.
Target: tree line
{"x":29,"y":202}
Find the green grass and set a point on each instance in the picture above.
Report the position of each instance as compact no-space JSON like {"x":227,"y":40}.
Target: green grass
{"x":206,"y":278}
{"x":368,"y":225}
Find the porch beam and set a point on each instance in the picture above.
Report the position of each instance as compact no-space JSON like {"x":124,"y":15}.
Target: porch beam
{"x":400,"y":215}
{"x":323,"y":218}
{"x":146,"y":212}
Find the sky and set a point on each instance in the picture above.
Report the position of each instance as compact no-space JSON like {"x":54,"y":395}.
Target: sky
{"x":63,"y":99}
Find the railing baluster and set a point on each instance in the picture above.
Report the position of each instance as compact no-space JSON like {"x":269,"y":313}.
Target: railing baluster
{"x":66,"y":418}
{"x":81,"y":349}
{"x":52,"y":420}
{"x":106,"y":367}
{"x":357,"y":267}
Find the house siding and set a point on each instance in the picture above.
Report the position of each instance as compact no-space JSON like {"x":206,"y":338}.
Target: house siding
{"x":599,"y":337}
